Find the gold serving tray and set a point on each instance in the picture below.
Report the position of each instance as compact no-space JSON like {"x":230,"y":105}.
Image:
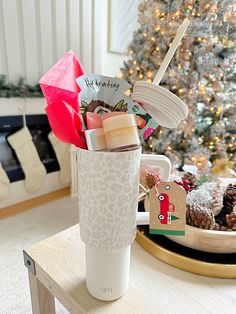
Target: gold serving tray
{"x":199,"y":267}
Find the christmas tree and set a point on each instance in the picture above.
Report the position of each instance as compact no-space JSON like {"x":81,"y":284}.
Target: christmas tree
{"x":202,"y":73}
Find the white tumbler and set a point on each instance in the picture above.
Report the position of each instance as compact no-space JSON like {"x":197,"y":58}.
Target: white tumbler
{"x":108,"y":202}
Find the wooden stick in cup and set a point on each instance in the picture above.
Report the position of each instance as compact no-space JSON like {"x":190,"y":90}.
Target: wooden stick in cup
{"x":171,"y":51}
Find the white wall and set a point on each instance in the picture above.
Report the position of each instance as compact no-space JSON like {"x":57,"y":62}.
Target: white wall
{"x":120,"y":22}
{"x":111,"y":62}
{"x":34,"y":34}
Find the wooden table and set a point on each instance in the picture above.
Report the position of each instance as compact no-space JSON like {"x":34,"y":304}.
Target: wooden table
{"x":57,"y":269}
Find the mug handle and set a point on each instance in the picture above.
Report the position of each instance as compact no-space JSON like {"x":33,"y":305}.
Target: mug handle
{"x":164,"y":165}
{"x":159,"y":161}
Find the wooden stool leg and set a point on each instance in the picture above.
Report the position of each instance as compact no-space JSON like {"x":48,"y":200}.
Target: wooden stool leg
{"x":41,"y":299}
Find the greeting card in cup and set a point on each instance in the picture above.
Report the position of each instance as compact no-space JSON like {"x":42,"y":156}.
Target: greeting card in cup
{"x":167,"y":209}
{"x":102,"y":94}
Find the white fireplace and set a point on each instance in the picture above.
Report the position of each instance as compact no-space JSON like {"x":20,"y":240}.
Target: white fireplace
{"x":10,"y":119}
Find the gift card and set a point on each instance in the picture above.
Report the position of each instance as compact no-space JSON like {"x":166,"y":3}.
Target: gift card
{"x":167,"y":209}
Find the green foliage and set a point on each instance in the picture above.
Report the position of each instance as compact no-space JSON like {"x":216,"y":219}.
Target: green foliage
{"x":21,"y":89}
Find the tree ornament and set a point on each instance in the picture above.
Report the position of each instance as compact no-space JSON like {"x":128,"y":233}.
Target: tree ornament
{"x":200,"y":217}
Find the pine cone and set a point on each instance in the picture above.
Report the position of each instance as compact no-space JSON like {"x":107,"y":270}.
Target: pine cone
{"x":200,"y":217}
{"x":229,"y":200}
{"x":231,"y":221}
{"x":192,"y":180}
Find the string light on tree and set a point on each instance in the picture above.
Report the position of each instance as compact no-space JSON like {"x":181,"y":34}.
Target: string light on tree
{"x":202,"y":73}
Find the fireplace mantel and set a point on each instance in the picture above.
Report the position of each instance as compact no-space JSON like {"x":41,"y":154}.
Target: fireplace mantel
{"x":17,"y":194}
{"x":11,"y":106}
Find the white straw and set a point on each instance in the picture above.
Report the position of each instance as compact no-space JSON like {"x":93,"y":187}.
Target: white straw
{"x":171,"y":51}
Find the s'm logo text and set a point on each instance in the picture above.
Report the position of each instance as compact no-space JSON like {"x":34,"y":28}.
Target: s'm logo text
{"x":106,"y":290}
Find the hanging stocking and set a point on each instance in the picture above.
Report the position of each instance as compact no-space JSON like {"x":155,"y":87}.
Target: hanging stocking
{"x":26,"y":152}
{"x":4,"y":184}
{"x":62,"y":152}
